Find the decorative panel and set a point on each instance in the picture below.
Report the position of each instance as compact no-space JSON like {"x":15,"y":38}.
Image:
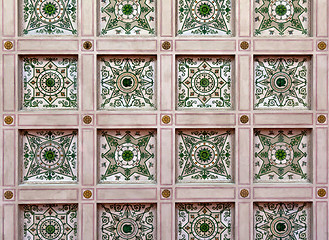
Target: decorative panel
{"x":127,"y":156}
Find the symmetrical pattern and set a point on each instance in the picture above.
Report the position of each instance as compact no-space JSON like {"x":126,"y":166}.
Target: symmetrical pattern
{"x":49,"y":83}
{"x":204,"y":17}
{"x":280,"y":221}
{"x":204,"y":155}
{"x":282,"y":155}
{"x":282,"y":82}
{"x":204,"y":82}
{"x":282,"y":17}
{"x":127,"y":83}
{"x":127,"y":156}
{"x":49,"y":156}
{"x":204,"y":221}
{"x":127,"y":17}
{"x":49,"y":17}
{"x":127,"y":221}
{"x":50,"y":222}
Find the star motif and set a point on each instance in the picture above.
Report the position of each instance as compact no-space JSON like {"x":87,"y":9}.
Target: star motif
{"x":127,"y":15}
{"x":281,"y":15}
{"x":127,"y":155}
{"x":280,"y":154}
{"x":204,"y":156}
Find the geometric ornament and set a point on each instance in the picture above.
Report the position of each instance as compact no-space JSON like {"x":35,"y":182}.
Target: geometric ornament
{"x":127,"y":17}
{"x":49,"y":17}
{"x":282,"y":155}
{"x":204,"y":155}
{"x":127,"y":83}
{"x":49,"y":83}
{"x":282,"y":18}
{"x":127,"y":156}
{"x":281,"y":221}
{"x":49,"y":156}
{"x":204,"y":17}
{"x":204,"y":82}
{"x":50,"y":222}
{"x":134,"y":221}
{"x":204,"y":221}
{"x":282,"y":82}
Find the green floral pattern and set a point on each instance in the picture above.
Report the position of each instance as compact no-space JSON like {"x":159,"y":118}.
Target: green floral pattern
{"x":282,"y":17}
{"x":49,"y":156}
{"x":281,"y":221}
{"x":127,"y":17}
{"x":127,"y":156}
{"x":204,"y":17}
{"x":282,"y":82}
{"x":127,"y":221}
{"x":127,"y":83}
{"x":50,"y":222}
{"x":204,"y":155}
{"x":282,"y":155}
{"x":204,"y":82}
{"x":49,"y":83}
{"x":201,"y":221}
{"x":49,"y":17}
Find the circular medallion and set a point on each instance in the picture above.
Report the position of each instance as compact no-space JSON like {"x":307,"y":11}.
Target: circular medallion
{"x":9,"y":120}
{"x":8,"y":45}
{"x":127,"y":82}
{"x":50,"y":82}
{"x":87,"y":194}
{"x":280,"y":154}
{"x":322,"y":192}
{"x":322,"y":119}
{"x":87,"y":45}
{"x":204,"y":155}
{"x":204,"y":227}
{"x":50,"y":11}
{"x":127,"y":228}
{"x":87,"y":119}
{"x":244,"y":45}
{"x":204,"y":82}
{"x":50,"y":228}
{"x":322,"y":45}
{"x":127,"y":155}
{"x":127,"y":10}
{"x":244,"y":193}
{"x":281,"y":82}
{"x":166,"y":193}
{"x":280,"y":227}
{"x":244,"y":119}
{"x":204,"y":10}
{"x":50,"y":155}
{"x":281,"y":10}
{"x":8,"y":194}
{"x":166,"y":45}
{"x":166,"y":119}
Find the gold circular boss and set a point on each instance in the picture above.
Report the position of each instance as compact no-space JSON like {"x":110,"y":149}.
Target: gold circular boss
{"x":8,"y":45}
{"x":8,"y":194}
{"x":244,"y":119}
{"x":166,"y":45}
{"x":322,"y":119}
{"x":244,"y":45}
{"x":166,"y":119}
{"x":166,"y":193}
{"x":322,"y":192}
{"x":244,"y":193}
{"x":9,"y":120}
{"x":87,"y":194}
{"x":322,"y":45}
{"x":87,"y":119}
{"x":87,"y":45}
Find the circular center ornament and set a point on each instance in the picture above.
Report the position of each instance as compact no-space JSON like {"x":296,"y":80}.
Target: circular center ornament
{"x":204,"y":82}
{"x":127,"y":82}
{"x":127,"y":10}
{"x":50,"y":228}
{"x":204,"y":155}
{"x":50,"y":82}
{"x":204,"y":227}
{"x":127,"y":228}
{"x":50,"y":155}
{"x":280,"y":154}
{"x":280,"y":227}
{"x":127,"y":155}
{"x":50,"y":11}
{"x":281,"y":10}
{"x":281,"y":82}
{"x":205,"y":10}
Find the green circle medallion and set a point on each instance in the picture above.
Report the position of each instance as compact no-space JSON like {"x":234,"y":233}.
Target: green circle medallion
{"x":50,"y":82}
{"x":127,"y":82}
{"x":49,"y":9}
{"x":281,"y":10}
{"x":204,"y":155}
{"x":204,"y":227}
{"x":204,"y":10}
{"x":127,"y":228}
{"x":50,"y":229}
{"x":127,"y":155}
{"x":281,"y":82}
{"x":204,"y":82}
{"x":49,"y":156}
{"x":127,"y":9}
{"x":280,"y":154}
{"x":281,"y":227}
